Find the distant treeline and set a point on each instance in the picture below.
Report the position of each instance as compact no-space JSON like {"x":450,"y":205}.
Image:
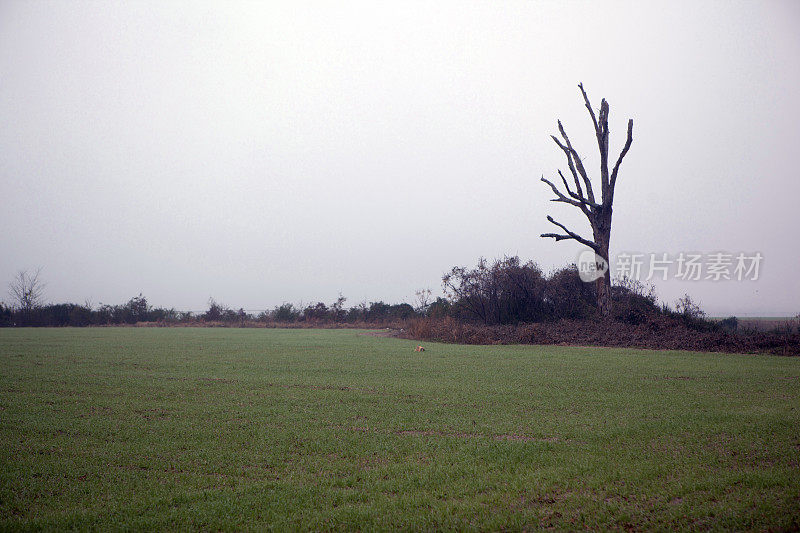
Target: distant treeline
{"x":137,"y":310}
{"x":502,"y":292}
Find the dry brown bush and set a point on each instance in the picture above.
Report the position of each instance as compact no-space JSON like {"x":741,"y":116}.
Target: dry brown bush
{"x":659,"y":332}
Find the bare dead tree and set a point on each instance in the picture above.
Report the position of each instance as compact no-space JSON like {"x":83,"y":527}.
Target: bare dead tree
{"x":27,"y":290}
{"x":597,"y":211}
{"x":423,"y":300}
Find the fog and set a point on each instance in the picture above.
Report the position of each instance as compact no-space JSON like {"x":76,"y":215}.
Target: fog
{"x":262,"y":153}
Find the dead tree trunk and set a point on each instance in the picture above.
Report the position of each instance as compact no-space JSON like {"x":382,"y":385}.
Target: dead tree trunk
{"x":597,"y":212}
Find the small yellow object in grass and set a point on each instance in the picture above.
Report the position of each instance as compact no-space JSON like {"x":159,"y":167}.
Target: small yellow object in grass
{"x":419,"y":349}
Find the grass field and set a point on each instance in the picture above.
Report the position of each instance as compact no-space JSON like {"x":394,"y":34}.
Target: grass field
{"x":124,"y":428}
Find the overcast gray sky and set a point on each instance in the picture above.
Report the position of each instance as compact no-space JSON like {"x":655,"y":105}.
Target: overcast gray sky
{"x":285,"y":151}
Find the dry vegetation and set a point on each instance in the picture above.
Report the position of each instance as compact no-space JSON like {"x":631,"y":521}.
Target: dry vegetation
{"x":658,"y":333}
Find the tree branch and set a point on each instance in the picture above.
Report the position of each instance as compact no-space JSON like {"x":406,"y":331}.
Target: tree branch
{"x":568,"y":153}
{"x":591,"y":112}
{"x":560,"y":196}
{"x":621,"y":155}
{"x":577,"y":200}
{"x":569,"y":235}
{"x":577,"y":195}
{"x":572,"y":156}
{"x":602,"y":143}
{"x":601,"y":132}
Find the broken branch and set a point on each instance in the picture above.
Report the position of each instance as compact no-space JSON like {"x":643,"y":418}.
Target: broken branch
{"x":569,"y":235}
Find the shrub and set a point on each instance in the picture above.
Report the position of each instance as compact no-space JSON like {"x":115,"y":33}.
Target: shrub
{"x":634,"y":303}
{"x":567,"y":296}
{"x":317,"y":312}
{"x":693,"y":316}
{"x":383,"y":312}
{"x":688,"y":308}
{"x":219,"y":313}
{"x":6,"y":317}
{"x":504,"y":292}
{"x":337,"y":310}
{"x":285,"y":312}
{"x":440,"y":308}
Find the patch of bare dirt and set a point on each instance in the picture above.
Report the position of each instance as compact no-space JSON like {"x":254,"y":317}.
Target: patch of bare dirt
{"x":525,"y":438}
{"x":516,"y":437}
{"x":388,"y":332}
{"x":323,"y":387}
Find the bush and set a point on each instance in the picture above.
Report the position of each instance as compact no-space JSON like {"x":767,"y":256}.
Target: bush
{"x":567,"y":296}
{"x":133,"y":311}
{"x":688,"y":308}
{"x":337,"y":311}
{"x":505,"y":292}
{"x":6,"y":316}
{"x":219,"y":313}
{"x":285,"y":312}
{"x":316,"y":313}
{"x":693,"y":316}
{"x":440,"y":308}
{"x":53,"y":315}
{"x":634,"y":303}
{"x":383,"y":312}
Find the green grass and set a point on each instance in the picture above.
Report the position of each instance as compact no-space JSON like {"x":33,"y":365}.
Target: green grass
{"x":119,"y":428}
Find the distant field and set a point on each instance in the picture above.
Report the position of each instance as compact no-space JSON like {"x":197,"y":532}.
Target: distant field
{"x":181,"y":428}
{"x":765,"y":323}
